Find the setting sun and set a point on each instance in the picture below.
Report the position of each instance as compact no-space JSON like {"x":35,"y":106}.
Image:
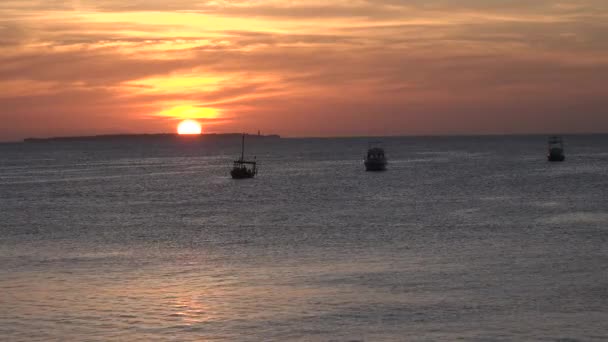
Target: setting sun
{"x":189,"y":127}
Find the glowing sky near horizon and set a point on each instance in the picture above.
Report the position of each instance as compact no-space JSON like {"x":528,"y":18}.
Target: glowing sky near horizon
{"x":303,"y":68}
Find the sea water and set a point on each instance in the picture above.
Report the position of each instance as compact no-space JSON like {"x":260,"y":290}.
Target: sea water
{"x":470,"y":238}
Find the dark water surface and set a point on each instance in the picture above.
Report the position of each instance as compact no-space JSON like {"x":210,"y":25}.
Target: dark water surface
{"x":472,"y":238}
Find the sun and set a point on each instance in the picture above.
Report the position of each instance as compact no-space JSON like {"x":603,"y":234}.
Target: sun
{"x":189,"y":127}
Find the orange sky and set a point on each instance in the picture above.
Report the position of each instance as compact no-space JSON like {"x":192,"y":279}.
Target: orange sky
{"x":303,"y":68}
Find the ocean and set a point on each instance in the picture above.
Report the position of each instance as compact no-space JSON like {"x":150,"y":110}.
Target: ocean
{"x":463,"y":238}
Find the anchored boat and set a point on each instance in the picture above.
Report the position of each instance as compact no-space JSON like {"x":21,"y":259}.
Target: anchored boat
{"x":242,"y":168}
{"x":555,"y":149}
{"x":375,"y":160}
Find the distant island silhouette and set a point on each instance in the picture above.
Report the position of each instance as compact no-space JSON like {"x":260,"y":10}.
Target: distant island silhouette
{"x":151,"y":137}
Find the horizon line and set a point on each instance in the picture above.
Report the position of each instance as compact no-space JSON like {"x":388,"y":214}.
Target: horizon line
{"x":430,"y":135}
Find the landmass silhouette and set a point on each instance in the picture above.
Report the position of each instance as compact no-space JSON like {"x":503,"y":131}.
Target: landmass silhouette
{"x":151,"y":137}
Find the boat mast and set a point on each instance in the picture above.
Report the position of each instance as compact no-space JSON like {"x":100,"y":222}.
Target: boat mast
{"x":243,"y":148}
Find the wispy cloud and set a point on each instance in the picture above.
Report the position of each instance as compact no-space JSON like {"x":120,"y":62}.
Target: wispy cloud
{"x":304,"y":67}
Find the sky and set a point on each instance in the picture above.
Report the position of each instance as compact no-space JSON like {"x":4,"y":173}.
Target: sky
{"x":303,"y":67}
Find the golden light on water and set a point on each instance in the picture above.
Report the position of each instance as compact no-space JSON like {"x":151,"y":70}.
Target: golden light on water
{"x":189,"y":127}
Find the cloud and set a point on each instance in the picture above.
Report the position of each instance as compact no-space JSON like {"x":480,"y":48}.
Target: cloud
{"x":306,"y":67}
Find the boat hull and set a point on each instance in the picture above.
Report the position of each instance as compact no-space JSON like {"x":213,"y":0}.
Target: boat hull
{"x":553,"y":158}
{"x":556,"y":155}
{"x":375,"y":165}
{"x":241,"y":173}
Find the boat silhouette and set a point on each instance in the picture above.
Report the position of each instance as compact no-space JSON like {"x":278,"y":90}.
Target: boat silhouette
{"x":241,"y":168}
{"x":375,"y":159}
{"x":555,"y":149}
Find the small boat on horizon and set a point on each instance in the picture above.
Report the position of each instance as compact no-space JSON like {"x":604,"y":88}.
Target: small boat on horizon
{"x":555,"y":149}
{"x":241,"y":168}
{"x":375,"y":159}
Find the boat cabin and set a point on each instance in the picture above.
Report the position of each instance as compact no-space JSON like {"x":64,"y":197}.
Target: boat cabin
{"x":375,"y":153}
